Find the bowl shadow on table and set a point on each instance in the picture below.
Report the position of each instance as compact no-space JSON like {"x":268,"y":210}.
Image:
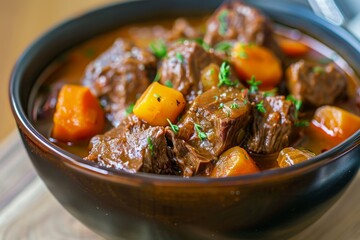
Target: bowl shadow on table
{"x":142,"y":206}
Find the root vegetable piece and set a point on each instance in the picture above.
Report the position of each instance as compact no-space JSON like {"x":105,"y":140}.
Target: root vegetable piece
{"x":290,"y":156}
{"x":78,"y":114}
{"x":159,"y":103}
{"x":233,"y":162}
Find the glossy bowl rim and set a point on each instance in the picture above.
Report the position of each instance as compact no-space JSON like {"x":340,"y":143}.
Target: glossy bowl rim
{"x":79,"y":164}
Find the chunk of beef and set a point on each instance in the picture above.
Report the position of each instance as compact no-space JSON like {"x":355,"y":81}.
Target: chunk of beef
{"x":189,"y":161}
{"x":222,"y":114}
{"x":314,"y":84}
{"x":235,"y":21}
{"x":272,"y":125}
{"x":133,"y":146}
{"x":119,"y":75}
{"x":184,"y":65}
{"x":182,"y":30}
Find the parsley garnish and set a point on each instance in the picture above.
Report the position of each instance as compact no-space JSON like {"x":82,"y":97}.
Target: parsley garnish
{"x":270,"y":93}
{"x":228,"y":113}
{"x":157,"y":77}
{"x":90,"y":52}
{"x":129,"y":109}
{"x":151,"y":146}
{"x":158,"y":48}
{"x":199,"y":132}
{"x":223,"y":24}
{"x":201,"y":42}
{"x":224,"y":75}
{"x":260,"y":107}
{"x":169,"y":84}
{"x":223,"y":47}
{"x":302,"y":123}
{"x":221,"y":106}
{"x":253,"y":84}
{"x":234,"y":105}
{"x":174,"y":127}
{"x":297,"y":103}
{"x":216,"y":98}
{"x":243,"y":54}
{"x":157,"y":96}
{"x":318,"y":70}
{"x":180,"y":57}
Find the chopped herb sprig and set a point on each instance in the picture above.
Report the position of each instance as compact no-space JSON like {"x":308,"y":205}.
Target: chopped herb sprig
{"x":224,"y":75}
{"x":169,"y":84}
{"x":254,"y":85}
{"x":129,"y":109}
{"x":179,"y":57}
{"x":158,"y":48}
{"x":174,"y":127}
{"x":223,"y":22}
{"x":199,"y":132}
{"x":234,"y":105}
{"x":151,"y":146}
{"x":260,"y":107}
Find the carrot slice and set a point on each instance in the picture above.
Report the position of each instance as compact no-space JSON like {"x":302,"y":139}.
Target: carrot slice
{"x":293,"y":48}
{"x":159,"y":103}
{"x":335,"y":123}
{"x":78,"y":114}
{"x":233,"y":162}
{"x":252,"y":60}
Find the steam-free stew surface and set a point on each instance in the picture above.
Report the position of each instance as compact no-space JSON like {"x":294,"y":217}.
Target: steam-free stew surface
{"x":235,"y":104}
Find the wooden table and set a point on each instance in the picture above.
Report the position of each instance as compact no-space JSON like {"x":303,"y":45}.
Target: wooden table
{"x":27,"y":209}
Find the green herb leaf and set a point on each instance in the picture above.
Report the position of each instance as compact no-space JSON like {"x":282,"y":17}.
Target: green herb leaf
{"x":157,"y":96}
{"x":151,"y":146}
{"x":243,"y":54}
{"x":254,"y":85}
{"x":129,"y":109}
{"x":199,"y":132}
{"x":221,"y":106}
{"x":175,"y":128}
{"x":297,"y":103}
{"x":157,"y":77}
{"x":224,"y":75}
{"x":201,"y":42}
{"x":260,"y":107}
{"x":318,"y":70}
{"x":180,"y":57}
{"x":302,"y":123}
{"x":223,"y":22}
{"x":271,"y":92}
{"x":234,"y":105}
{"x":216,"y":98}
{"x":90,"y":53}
{"x":169,"y":84}
{"x":158,"y":48}
{"x":223,"y":47}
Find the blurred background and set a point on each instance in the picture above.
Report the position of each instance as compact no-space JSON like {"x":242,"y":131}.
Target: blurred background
{"x":22,"y":21}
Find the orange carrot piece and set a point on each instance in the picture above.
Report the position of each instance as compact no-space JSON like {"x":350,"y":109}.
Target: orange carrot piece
{"x":335,"y":123}
{"x":252,"y":60}
{"x":78,"y":114}
{"x":159,"y":103}
{"x":233,"y":162}
{"x":293,"y":48}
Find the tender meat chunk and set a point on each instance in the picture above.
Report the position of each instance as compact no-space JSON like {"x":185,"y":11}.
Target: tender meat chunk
{"x":236,"y":21}
{"x":272,"y":125}
{"x":189,"y":161}
{"x":133,"y":146}
{"x":119,"y":75}
{"x":182,"y":29}
{"x":222,"y":114}
{"x":183,"y":67}
{"x":314,"y":84}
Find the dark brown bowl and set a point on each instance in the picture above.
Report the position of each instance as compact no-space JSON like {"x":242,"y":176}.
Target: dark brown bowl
{"x":117,"y":205}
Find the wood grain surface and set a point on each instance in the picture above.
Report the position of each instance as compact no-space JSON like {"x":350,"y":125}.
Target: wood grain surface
{"x":21,"y":22}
